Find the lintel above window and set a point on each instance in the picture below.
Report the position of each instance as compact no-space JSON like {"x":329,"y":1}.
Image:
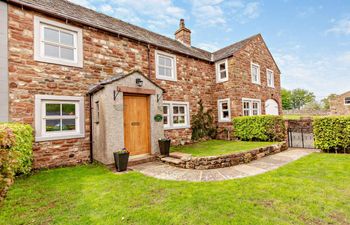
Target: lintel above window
{"x":57,"y":43}
{"x":165,"y":66}
{"x":221,"y":68}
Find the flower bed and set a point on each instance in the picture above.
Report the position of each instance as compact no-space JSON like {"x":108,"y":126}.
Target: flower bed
{"x":227,"y":160}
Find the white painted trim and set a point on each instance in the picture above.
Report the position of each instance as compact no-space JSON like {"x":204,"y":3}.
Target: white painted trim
{"x":38,"y":47}
{"x":251,"y":100}
{"x":174,"y":72}
{"x":187,"y":115}
{"x":4,"y":73}
{"x":272,"y":78}
{"x":220,"y":119}
{"x":251,"y":73}
{"x":217,"y":71}
{"x":42,"y":136}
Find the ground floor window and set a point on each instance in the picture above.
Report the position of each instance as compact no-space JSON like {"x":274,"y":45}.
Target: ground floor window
{"x":224,"y":111}
{"x":175,"y":115}
{"x":251,"y":107}
{"x":58,"y":117}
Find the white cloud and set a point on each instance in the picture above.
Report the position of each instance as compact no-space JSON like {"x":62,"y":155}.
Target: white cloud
{"x":340,"y":27}
{"x":211,"y":47}
{"x":321,"y":75}
{"x":208,"y":12}
{"x":252,"y":10}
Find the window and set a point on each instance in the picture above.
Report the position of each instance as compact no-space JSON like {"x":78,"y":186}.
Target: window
{"x":165,"y":66}
{"x":251,"y":107}
{"x":97,"y":112}
{"x":255,"y":71}
{"x":221,"y":71}
{"x":270,"y":78}
{"x":347,"y":101}
{"x":58,"y":117}
{"x":224,"y":110}
{"x":57,"y":43}
{"x":176,"y":115}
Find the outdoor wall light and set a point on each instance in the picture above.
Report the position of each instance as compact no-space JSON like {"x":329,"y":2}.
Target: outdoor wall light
{"x":139,"y":82}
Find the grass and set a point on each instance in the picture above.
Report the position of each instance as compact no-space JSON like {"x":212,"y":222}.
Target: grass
{"x":312,"y":190}
{"x":219,"y":147}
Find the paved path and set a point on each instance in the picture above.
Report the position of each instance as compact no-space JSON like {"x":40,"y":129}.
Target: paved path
{"x":163,"y":171}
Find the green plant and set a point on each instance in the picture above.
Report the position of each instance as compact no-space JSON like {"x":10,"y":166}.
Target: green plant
{"x":259,"y":128}
{"x":122,"y":151}
{"x":332,"y":134}
{"x":202,"y":123}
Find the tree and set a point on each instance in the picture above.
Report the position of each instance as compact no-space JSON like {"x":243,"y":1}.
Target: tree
{"x":325,"y":102}
{"x":286,"y":99}
{"x":300,"y":97}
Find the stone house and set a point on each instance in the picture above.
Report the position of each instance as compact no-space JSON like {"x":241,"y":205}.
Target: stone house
{"x":340,"y":104}
{"x":72,"y":73}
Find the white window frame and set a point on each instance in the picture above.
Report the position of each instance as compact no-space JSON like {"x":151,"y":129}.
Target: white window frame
{"x":39,"y":24}
{"x":171,"y":125}
{"x":252,"y":65}
{"x":345,"y":101}
{"x":40,"y":130}
{"x":270,"y":72}
{"x":251,"y":101}
{"x":173,"y":69}
{"x":166,"y":115}
{"x":220,"y":110}
{"x":218,"y":72}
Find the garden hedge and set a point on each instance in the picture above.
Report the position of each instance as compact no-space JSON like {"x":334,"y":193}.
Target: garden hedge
{"x":259,"y":128}
{"x":332,"y":134}
{"x":15,"y":152}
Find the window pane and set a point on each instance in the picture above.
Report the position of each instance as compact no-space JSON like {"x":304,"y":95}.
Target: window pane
{"x":68,"y":124}
{"x":51,"y":35}
{"x":181,"y":120}
{"x":68,"y":109}
{"x":165,"y":109}
{"x":225,"y":114}
{"x":182,"y":109}
{"x":165,"y":120}
{"x":255,"y":112}
{"x":175,"y":119}
{"x":223,"y":74}
{"x":67,"y":39}
{"x":224,"y":105}
{"x":161,"y":71}
{"x":53,"y":109}
{"x":53,"y":125}
{"x":255,"y":105}
{"x":175,"y":109}
{"x":67,"y":53}
{"x":168,"y":62}
{"x":51,"y":50}
{"x":246,"y":112}
{"x":168,"y":72}
{"x":222,"y":66}
{"x":161,"y":61}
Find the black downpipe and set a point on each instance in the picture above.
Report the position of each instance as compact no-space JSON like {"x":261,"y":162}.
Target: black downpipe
{"x":91,"y":142}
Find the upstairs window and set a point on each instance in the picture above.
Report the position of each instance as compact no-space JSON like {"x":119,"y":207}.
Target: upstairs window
{"x":224,"y":110}
{"x":57,"y":43}
{"x":251,"y":107}
{"x":347,"y":101}
{"x":221,"y":71}
{"x":176,"y":115}
{"x":165,"y":66}
{"x":270,"y":78}
{"x":255,"y":72}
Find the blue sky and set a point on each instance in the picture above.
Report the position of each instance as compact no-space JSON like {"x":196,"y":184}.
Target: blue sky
{"x":310,"y":40}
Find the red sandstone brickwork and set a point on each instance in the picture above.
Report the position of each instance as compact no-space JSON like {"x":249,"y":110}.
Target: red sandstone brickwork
{"x":105,"y":55}
{"x":337,"y":105}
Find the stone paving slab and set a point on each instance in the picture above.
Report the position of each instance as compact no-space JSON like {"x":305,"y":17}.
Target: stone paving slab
{"x":163,"y":171}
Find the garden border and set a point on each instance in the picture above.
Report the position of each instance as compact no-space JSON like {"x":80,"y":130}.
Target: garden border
{"x":227,"y":160}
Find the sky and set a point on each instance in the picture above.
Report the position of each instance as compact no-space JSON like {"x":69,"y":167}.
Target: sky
{"x":309,"y":39}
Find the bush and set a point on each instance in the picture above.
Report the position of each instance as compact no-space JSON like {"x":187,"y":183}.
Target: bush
{"x":203,"y":124}
{"x":332,"y":134}
{"x":259,"y":128}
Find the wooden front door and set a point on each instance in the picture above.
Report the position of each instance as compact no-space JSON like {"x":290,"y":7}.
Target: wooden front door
{"x":136,"y":124}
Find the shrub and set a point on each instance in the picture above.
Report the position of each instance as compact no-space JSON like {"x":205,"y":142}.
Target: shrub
{"x":203,"y":124}
{"x":259,"y":128}
{"x":332,"y":134}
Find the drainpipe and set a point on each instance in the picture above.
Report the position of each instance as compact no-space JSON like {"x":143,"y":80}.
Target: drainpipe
{"x":91,"y":142}
{"x":149,"y":60}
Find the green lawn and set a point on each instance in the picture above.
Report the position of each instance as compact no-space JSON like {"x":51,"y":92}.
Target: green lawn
{"x":312,"y":190}
{"x":219,"y":147}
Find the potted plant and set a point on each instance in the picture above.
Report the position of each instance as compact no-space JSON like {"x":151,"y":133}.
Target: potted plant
{"x":164,"y":146}
{"x":121,"y":159}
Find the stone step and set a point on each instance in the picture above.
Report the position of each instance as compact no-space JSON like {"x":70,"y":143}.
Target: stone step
{"x":135,"y":160}
{"x":171,"y":160}
{"x":180,"y":155}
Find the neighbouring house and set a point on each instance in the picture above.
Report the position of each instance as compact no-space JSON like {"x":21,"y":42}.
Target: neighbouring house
{"x":340,"y":104}
{"x":90,"y":84}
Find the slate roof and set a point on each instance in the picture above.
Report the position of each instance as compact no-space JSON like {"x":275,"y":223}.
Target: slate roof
{"x":70,"y":11}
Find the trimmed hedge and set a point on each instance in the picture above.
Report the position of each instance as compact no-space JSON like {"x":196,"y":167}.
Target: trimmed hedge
{"x":259,"y":128}
{"x":15,"y":152}
{"x":332,"y":134}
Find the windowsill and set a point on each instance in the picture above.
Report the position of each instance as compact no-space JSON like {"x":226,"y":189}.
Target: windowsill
{"x":271,"y":87}
{"x":166,"y":78}
{"x":224,"y":121}
{"x":256,"y":83}
{"x":221,"y":81}
{"x":58,"y":62}
{"x":53,"y":138}
{"x":177,"y":128}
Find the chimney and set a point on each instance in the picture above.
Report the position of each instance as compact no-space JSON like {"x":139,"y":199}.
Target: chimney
{"x":183,"y":34}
